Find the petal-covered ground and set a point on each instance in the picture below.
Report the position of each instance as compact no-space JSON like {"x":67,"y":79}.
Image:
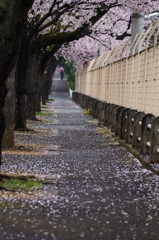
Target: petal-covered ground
{"x":94,"y":189}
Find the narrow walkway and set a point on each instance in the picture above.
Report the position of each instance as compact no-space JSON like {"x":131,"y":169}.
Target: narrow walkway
{"x":95,"y":189}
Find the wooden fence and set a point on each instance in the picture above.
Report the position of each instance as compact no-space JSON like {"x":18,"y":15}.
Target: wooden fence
{"x":128,"y":75}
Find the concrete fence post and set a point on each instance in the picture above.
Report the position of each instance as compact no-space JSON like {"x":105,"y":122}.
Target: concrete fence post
{"x":114,"y":118}
{"x":129,"y":126}
{"x":101,"y":111}
{"x":137,"y":128}
{"x":110,"y":114}
{"x":146,"y":133}
{"x":97,"y":102}
{"x":106,"y":115}
{"x":89,"y":104}
{"x":92,"y":102}
{"x":94,"y":107}
{"x":118,"y":120}
{"x":124,"y":118}
{"x":154,"y":141}
{"x":80,"y":99}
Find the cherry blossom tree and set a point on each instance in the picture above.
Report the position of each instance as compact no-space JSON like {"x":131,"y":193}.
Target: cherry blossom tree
{"x":48,"y":27}
{"x":107,"y":32}
{"x":12,"y":15}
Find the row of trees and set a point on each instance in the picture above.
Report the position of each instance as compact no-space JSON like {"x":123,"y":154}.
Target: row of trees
{"x":33,"y":33}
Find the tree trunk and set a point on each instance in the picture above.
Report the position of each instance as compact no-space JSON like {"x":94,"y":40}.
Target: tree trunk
{"x":21,"y":81}
{"x":31,"y":107}
{"x":44,"y":94}
{"x":33,"y":84}
{"x":38,"y":100}
{"x":47,"y":78}
{"x":37,"y":83}
{"x":9,"y":112}
{"x":10,"y":29}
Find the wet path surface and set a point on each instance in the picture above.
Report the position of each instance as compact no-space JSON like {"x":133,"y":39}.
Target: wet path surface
{"x":95,"y":189}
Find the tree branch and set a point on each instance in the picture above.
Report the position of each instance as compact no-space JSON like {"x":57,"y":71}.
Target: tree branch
{"x":64,"y":9}
{"x":125,"y":34}
{"x":50,"y":39}
{"x":38,"y":24}
{"x":46,"y":57}
{"x":53,"y":21}
{"x":60,"y":38}
{"x":99,"y":41}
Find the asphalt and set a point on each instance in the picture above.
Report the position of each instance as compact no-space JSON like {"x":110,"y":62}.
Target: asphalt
{"x":94,"y":189}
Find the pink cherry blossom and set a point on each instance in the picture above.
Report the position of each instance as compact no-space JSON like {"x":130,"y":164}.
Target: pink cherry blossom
{"x":102,"y":35}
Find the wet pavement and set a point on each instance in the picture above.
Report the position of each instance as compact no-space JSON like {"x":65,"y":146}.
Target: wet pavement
{"x":94,"y":189}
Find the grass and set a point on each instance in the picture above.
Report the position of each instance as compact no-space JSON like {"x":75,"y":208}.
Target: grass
{"x":94,"y":121}
{"x":86,"y":113}
{"x":44,"y":114}
{"x":13,"y":184}
{"x":44,"y":110}
{"x":50,"y":100}
{"x":103,"y":131}
{"x":107,"y":134}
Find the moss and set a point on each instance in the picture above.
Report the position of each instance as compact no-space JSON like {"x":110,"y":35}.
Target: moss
{"x":13,"y":184}
{"x":44,"y":114}
{"x":103,"y":131}
{"x":86,"y":113}
{"x":93,"y":121}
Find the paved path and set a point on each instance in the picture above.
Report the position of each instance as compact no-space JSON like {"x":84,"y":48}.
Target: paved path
{"x":96,"y":190}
